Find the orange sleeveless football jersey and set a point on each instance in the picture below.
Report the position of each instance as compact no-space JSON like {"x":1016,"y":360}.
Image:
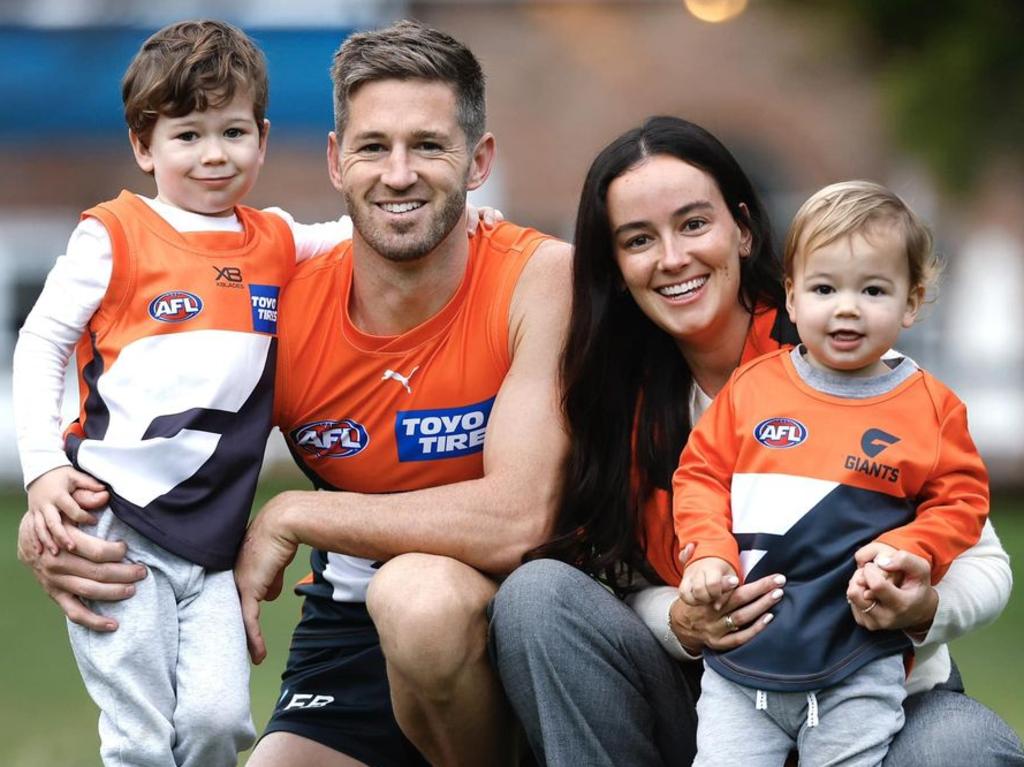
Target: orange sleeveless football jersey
{"x":176,"y":375}
{"x":374,"y":414}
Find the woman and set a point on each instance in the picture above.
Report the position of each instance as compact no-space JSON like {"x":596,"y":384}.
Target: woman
{"x":675,"y":285}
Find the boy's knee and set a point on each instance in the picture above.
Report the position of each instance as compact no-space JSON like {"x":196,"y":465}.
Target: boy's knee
{"x":214,"y":724}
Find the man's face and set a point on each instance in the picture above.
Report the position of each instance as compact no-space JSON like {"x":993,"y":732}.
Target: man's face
{"x":403,"y":166}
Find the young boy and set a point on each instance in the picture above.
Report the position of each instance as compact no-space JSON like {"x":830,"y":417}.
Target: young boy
{"x":171,"y":306}
{"x":813,"y":461}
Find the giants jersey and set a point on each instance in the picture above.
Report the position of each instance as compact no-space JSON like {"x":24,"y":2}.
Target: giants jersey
{"x":176,"y":375}
{"x":374,"y":414}
{"x":769,"y":331}
{"x":781,"y":477}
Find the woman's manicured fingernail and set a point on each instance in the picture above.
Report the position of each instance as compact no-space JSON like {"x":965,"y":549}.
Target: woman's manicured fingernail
{"x":767,"y":619}
{"x":780,"y":580}
{"x":777,"y":594}
{"x":883,"y":561}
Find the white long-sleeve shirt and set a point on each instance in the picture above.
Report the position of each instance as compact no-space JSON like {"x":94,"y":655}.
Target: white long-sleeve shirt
{"x":71,"y":295}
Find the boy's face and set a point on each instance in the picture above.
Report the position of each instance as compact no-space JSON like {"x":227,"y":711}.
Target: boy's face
{"x":205,"y":162}
{"x":850,"y":298}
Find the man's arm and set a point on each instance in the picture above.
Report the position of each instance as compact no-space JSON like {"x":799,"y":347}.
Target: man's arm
{"x":488,"y":523}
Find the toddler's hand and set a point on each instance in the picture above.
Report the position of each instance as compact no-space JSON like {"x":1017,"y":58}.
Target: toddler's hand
{"x":50,"y":501}
{"x":707,"y":581}
{"x":880,"y":554}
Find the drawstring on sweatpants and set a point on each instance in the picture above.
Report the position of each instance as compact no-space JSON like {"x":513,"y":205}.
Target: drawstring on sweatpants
{"x":761,"y":704}
{"x":761,"y":701}
{"x":812,"y":710}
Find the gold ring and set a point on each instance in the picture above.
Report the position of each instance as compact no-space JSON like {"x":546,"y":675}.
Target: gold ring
{"x":869,"y":608}
{"x":730,"y":624}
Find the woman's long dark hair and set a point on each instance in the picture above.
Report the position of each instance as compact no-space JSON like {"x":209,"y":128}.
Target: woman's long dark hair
{"x":621,"y":371}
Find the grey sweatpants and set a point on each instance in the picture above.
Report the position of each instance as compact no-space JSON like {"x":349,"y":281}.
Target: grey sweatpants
{"x":172,"y":683}
{"x":856,"y":720}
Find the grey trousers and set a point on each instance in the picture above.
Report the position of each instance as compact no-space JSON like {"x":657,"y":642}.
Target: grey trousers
{"x":591,"y":686}
{"x":856,"y":720}
{"x":172,"y":683}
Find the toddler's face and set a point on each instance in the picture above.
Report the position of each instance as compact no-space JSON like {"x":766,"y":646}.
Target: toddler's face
{"x":205,"y":162}
{"x":850,"y":299}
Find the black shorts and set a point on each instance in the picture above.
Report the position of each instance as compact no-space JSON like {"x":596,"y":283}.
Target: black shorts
{"x":334,"y":689}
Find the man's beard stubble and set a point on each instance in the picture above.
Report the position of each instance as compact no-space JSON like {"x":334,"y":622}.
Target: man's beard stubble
{"x":398,"y":245}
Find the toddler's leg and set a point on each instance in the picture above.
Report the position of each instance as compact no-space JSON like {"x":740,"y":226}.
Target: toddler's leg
{"x":129,"y":672}
{"x":732,"y":731}
{"x":857,"y":717}
{"x":212,"y":721}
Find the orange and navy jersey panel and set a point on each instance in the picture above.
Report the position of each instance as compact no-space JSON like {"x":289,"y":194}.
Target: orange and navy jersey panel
{"x":176,"y":374}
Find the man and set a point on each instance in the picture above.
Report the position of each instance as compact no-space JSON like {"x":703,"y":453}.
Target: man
{"x":398,"y":354}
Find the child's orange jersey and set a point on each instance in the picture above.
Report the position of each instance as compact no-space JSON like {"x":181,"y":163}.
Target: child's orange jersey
{"x":769,"y":331}
{"x":781,"y":477}
{"x":176,"y":373}
{"x":374,"y":414}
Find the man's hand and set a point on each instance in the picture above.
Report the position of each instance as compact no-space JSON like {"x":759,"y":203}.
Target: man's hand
{"x":95,"y":571}
{"x":51,"y":500}
{"x":707,"y":581}
{"x":266,"y":551}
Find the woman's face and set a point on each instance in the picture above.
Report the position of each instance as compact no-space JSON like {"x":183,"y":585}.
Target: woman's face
{"x":678,"y":247}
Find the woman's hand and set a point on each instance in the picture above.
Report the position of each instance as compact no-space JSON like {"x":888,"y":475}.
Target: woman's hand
{"x":743,"y":615}
{"x":881,"y":601}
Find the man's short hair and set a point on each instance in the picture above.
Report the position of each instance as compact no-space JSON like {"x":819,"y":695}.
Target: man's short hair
{"x":408,"y":50}
{"x":190,"y":66}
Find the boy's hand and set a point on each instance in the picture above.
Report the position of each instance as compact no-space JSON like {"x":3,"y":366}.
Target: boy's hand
{"x":858,"y":592}
{"x":51,"y":499}
{"x":707,"y":581}
{"x":475,"y":216}
{"x":893,"y":591}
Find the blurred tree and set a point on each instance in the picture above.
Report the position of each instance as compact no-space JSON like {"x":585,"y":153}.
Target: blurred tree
{"x":952,"y":74}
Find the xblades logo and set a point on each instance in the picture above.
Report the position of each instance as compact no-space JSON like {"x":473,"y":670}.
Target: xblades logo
{"x":875,"y":441}
{"x":228,"y":276}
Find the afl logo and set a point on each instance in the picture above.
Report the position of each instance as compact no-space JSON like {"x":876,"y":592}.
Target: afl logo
{"x":331,"y":439}
{"x":780,"y":432}
{"x":175,"y":306}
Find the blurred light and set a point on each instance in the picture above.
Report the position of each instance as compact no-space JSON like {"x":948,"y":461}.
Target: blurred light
{"x":715,"y":11}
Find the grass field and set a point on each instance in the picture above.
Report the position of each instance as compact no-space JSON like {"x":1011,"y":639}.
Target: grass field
{"x":47,"y":720}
